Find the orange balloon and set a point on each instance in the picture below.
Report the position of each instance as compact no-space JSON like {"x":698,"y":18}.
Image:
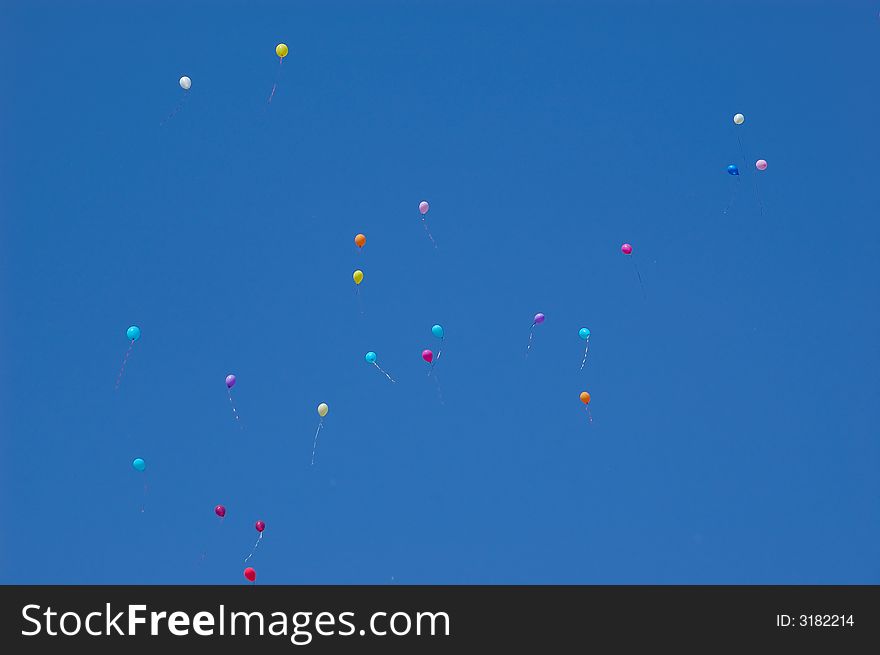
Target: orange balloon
{"x":585,"y":398}
{"x":360,"y":240}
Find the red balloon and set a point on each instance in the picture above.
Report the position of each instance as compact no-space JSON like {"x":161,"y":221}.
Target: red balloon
{"x":260,"y":526}
{"x":220,"y":511}
{"x":428,"y":356}
{"x":250,"y":574}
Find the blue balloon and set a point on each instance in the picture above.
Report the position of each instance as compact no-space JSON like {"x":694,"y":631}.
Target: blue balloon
{"x":733,"y":170}
{"x":139,"y":464}
{"x":584,"y":333}
{"x":437,"y":331}
{"x":370,"y":357}
{"x":133,"y":333}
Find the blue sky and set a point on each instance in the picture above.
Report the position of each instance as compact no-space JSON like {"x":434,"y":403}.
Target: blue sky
{"x":734,"y":434}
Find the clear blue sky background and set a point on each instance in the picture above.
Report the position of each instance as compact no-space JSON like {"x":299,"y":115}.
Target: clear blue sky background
{"x":734,"y":437}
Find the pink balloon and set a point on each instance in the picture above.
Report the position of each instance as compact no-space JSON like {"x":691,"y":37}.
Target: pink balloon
{"x":428,"y":356}
{"x":626,"y":249}
{"x":220,"y":511}
{"x":423,"y":206}
{"x":260,"y":526}
{"x":761,"y":164}
{"x":539,"y":318}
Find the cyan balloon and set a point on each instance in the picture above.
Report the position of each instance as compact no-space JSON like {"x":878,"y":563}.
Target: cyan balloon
{"x":370,"y":357}
{"x":437,"y":331}
{"x":584,"y":333}
{"x":139,"y":464}
{"x":133,"y":333}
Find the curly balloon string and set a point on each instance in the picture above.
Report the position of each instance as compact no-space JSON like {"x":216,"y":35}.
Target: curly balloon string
{"x":234,"y":411}
{"x":428,"y":232}
{"x":383,"y":372}
{"x":180,"y":105}
{"x":315,"y":445}
{"x":733,"y":196}
{"x":531,"y":336}
{"x":586,"y":350}
{"x":277,"y":79}
{"x":124,"y":362}
{"x":256,"y":544}
{"x":639,"y":275}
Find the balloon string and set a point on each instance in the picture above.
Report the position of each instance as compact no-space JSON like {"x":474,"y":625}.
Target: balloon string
{"x":589,"y":414}
{"x":124,"y":361}
{"x":254,"y":549}
{"x":439,"y":391}
{"x":755,"y":178}
{"x":275,"y":84}
{"x":425,"y":223}
{"x":531,"y":334}
{"x":641,"y":284}
{"x":585,"y":354}
{"x":383,"y":371}
{"x":732,"y":197}
{"x":234,"y":411}
{"x":357,"y":292}
{"x":315,"y":445}
{"x":180,"y":104}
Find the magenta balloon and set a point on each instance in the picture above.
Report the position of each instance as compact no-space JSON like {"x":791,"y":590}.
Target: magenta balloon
{"x":428,"y":356}
{"x":260,"y":526}
{"x":626,"y":249}
{"x":424,"y":206}
{"x":230,"y":381}
{"x":539,"y":318}
{"x":220,"y":511}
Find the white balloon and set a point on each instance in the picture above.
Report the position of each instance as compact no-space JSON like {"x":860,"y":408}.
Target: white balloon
{"x":739,"y":119}
{"x":185,"y":83}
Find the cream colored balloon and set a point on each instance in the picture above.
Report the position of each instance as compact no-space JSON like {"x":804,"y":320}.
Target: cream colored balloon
{"x":185,"y":83}
{"x":739,"y":119}
{"x":323,"y":409}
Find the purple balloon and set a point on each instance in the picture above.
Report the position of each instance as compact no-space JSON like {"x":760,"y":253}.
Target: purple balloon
{"x":230,"y":381}
{"x":539,"y":318}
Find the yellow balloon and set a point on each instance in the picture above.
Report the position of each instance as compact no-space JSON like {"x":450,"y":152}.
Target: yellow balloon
{"x":358,"y":277}
{"x":739,"y":119}
{"x":323,"y":409}
{"x":281,"y":50}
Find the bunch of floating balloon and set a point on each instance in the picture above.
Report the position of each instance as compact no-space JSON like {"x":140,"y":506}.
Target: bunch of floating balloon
{"x":539,"y":318}
{"x":584,"y":334}
{"x":133,"y":333}
{"x":627,"y":250}
{"x":423,"y":209}
{"x":185,"y":84}
{"x":230,"y":382}
{"x":739,"y":119}
{"x":281,"y":50}
{"x":585,"y":399}
{"x":371,"y":359}
{"x":322,"y":412}
{"x":259,"y":526}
